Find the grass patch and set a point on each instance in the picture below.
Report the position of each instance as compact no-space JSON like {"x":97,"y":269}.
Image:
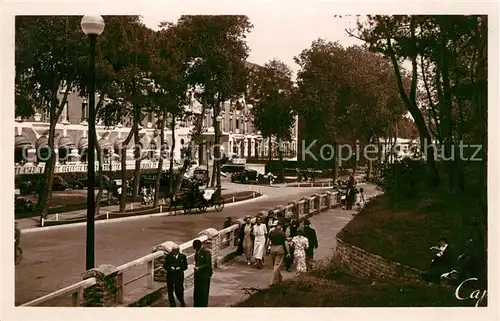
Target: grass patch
{"x":329,"y":286}
{"x":404,"y":233}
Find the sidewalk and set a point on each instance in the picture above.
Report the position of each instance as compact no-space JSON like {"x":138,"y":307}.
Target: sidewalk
{"x":31,"y":222}
{"x":230,"y":281}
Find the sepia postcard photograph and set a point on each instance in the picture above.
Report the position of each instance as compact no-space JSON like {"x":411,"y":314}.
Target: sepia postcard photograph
{"x":276,"y":155}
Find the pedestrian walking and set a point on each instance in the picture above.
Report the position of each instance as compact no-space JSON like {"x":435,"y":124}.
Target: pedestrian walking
{"x":202,"y":274}
{"x":246,"y":239}
{"x":175,"y":264}
{"x":351,"y":193}
{"x":279,"y":249}
{"x":312,"y":238}
{"x":260,"y":233}
{"x":300,"y":244}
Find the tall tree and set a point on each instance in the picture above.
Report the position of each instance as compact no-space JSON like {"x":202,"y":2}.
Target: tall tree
{"x":50,"y":58}
{"x":218,"y":51}
{"x":169,"y":72}
{"x":273,"y":114}
{"x":344,"y":95}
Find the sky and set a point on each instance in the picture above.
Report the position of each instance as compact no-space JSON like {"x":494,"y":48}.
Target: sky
{"x":283,"y":37}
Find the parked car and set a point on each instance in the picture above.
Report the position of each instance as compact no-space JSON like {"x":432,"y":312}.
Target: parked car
{"x":59,"y":184}
{"x":201,"y":175}
{"x":231,"y":169}
{"x":245,"y":176}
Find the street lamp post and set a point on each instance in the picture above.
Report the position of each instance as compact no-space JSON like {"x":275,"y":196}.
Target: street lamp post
{"x":92,"y":26}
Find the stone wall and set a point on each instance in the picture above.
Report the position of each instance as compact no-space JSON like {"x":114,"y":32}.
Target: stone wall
{"x":367,"y":265}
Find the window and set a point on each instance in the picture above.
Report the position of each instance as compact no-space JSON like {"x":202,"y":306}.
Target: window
{"x":237,"y":123}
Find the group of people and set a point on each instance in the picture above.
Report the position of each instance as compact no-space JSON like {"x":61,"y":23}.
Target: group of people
{"x":147,"y":195}
{"x":283,"y":239}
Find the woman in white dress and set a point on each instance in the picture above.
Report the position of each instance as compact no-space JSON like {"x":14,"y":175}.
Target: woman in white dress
{"x":260,"y":233}
{"x":300,"y":244}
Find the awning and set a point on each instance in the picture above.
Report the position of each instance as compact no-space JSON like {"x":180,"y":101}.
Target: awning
{"x":83,"y":143}
{"x":42,"y":142}
{"x":105,"y":143}
{"x":66,"y":142}
{"x":22,"y":142}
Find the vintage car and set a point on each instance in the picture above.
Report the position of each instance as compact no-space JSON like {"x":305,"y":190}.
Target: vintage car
{"x":246,"y":176}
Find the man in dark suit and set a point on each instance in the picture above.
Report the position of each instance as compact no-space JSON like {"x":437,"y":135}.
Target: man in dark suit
{"x":311,"y":236}
{"x":175,"y":264}
{"x":202,"y":274}
{"x":444,"y":261}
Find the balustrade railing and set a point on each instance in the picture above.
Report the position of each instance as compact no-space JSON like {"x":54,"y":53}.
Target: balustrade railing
{"x":221,"y":243}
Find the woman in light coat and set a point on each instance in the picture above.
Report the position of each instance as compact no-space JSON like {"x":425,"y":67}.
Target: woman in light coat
{"x":260,"y":234}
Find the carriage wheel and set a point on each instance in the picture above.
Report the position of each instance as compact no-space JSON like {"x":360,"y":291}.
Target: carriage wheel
{"x":219,"y":206}
{"x":202,"y":207}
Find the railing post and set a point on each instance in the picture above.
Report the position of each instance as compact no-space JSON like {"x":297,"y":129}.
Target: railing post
{"x":119,"y":288}
{"x":328,"y":200}
{"x":311,"y":205}
{"x":160,"y":275}
{"x":76,"y":298}
{"x":213,"y":244}
{"x":105,"y":292}
{"x":150,"y":277}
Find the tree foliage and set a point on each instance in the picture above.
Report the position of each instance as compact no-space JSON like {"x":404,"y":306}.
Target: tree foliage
{"x":345,"y":94}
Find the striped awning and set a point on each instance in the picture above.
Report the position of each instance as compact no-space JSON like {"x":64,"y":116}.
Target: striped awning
{"x":66,"y":142}
{"x":42,"y":142}
{"x":22,"y":142}
{"x":105,"y":143}
{"x":83,"y":143}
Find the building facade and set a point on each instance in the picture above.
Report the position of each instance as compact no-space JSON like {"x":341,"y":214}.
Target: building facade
{"x":239,"y":138}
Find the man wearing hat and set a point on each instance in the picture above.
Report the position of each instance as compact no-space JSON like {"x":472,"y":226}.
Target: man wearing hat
{"x":311,"y":236}
{"x":279,"y":249}
{"x":175,"y":264}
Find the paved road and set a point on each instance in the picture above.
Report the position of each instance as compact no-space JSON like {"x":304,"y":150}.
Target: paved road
{"x":54,"y":259}
{"x":228,"y":283}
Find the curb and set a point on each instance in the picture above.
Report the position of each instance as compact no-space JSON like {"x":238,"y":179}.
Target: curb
{"x":136,"y":217}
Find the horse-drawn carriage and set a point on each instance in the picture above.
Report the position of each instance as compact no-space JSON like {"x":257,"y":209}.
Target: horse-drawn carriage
{"x":200,"y":198}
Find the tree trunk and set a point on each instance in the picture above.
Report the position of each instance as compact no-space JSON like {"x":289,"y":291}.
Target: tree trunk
{"x":124,"y":166}
{"x":171,"y":169}
{"x":445,"y":111}
{"x":137,"y":169}
{"x":100,"y":157}
{"x":335,"y":169}
{"x":410,"y":103}
{"x":217,"y":144}
{"x":159,"y":171}
{"x":45,"y":194}
{"x":282,"y":162}
{"x":56,"y":108}
{"x":270,"y":146}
